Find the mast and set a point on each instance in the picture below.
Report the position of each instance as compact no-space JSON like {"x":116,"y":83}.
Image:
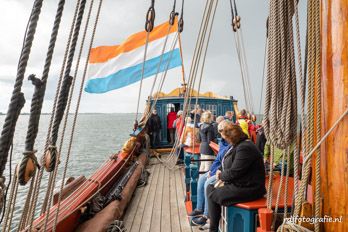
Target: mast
{"x":334,"y":162}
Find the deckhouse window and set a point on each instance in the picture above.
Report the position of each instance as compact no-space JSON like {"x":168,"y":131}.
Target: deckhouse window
{"x":212,"y":108}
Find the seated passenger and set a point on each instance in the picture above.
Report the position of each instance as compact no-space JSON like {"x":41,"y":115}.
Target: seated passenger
{"x":201,"y":212}
{"x":206,"y":135}
{"x":240,"y":178}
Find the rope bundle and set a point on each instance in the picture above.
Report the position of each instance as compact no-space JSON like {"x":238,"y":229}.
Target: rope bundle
{"x":280,"y":112}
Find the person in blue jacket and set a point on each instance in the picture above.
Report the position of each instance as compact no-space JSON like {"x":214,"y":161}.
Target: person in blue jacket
{"x":200,"y":214}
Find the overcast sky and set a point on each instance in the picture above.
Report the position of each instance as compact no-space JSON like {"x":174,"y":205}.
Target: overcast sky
{"x":121,"y":18}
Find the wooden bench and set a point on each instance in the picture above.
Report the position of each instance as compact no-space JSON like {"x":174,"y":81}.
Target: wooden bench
{"x":242,"y":217}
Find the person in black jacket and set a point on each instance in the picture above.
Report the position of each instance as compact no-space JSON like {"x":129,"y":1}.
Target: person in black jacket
{"x":241,"y":177}
{"x":260,"y":139}
{"x":154,"y":128}
{"x":206,"y":135}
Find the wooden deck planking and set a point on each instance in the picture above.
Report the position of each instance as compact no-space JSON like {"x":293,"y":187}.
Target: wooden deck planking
{"x":135,"y":227}
{"x":182,"y":178}
{"x":159,"y":206}
{"x":185,"y":227}
{"x":165,"y":214}
{"x":132,"y":208}
{"x":174,"y":211}
{"x":147,"y":215}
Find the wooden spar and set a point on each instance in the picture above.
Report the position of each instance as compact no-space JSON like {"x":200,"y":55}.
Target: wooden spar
{"x":334,"y":162}
{"x":115,"y":210}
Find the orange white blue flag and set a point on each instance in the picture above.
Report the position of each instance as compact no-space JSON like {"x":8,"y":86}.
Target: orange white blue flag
{"x":114,"y":67}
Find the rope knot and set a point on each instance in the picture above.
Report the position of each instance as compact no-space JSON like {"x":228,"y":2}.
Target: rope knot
{"x":35,"y":81}
{"x":32,"y":156}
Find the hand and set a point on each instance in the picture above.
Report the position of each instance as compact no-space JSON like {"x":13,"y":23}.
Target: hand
{"x":208,"y":174}
{"x":218,"y":174}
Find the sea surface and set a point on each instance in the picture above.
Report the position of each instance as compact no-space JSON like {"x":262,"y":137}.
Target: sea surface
{"x":96,"y":137}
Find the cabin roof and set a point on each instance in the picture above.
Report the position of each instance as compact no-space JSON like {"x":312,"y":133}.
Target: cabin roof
{"x":178,"y":92}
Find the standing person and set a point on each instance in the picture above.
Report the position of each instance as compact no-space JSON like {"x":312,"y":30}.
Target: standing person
{"x":261,"y":139}
{"x":170,"y":125}
{"x":154,"y":128}
{"x":206,"y":135}
{"x":243,"y":122}
{"x":196,"y":113}
{"x":215,"y":124}
{"x":241,"y":177}
{"x":187,"y":138}
{"x":179,"y":124}
{"x":229,"y":116}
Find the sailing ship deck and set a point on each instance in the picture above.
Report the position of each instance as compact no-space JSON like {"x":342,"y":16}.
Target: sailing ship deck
{"x":159,"y":206}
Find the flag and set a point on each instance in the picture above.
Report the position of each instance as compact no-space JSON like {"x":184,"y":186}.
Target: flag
{"x":114,"y":67}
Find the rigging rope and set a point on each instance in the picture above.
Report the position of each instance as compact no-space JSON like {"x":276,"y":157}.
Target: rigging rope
{"x":40,"y":173}
{"x":52,"y":181}
{"x":65,"y":89}
{"x":201,"y":48}
{"x":280,"y":112}
{"x":240,"y":48}
{"x":78,"y":104}
{"x":181,"y":20}
{"x":149,"y":24}
{"x":263,"y":74}
{"x":39,"y":94}
{"x":17,"y":99}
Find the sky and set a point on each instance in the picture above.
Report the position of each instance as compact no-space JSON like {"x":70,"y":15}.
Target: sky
{"x":118,"y":20}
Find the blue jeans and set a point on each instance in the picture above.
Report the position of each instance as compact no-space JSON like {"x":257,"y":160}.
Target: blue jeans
{"x":203,"y":182}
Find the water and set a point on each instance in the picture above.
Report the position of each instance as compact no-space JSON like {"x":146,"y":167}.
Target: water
{"x":97,"y":136}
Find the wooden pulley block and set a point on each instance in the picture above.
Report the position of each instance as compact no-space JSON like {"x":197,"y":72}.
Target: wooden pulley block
{"x":306,"y":212}
{"x":238,"y":19}
{"x":172,"y":18}
{"x":25,"y":170}
{"x":234,"y":21}
{"x":150,"y":16}
{"x":51,"y":157}
{"x":234,"y":28}
{"x":149,"y":26}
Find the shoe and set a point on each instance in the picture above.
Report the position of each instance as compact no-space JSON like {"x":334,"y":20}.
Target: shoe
{"x":199,"y":221}
{"x":179,"y":162}
{"x":196,"y":213}
{"x":205,"y":227}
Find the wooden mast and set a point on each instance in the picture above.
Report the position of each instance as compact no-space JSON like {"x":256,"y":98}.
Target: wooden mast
{"x":334,"y":162}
